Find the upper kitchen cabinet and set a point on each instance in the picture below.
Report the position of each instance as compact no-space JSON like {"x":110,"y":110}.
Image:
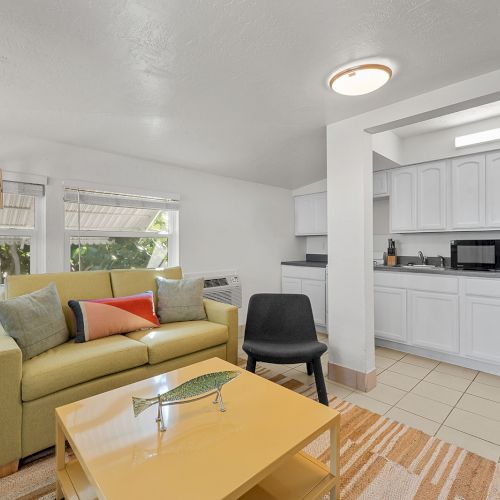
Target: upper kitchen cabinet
{"x":468,"y":192}
{"x":458,"y":194}
{"x":431,"y":196}
{"x":380,"y":184}
{"x":493,"y":189}
{"x":403,"y":200}
{"x":418,"y":198}
{"x":311,"y":214}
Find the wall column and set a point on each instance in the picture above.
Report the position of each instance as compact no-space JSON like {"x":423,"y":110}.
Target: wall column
{"x":350,"y":255}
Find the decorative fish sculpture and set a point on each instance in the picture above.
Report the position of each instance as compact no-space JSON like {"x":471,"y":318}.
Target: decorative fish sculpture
{"x":192,"y":390}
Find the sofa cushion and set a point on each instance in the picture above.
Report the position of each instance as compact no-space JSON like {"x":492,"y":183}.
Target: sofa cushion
{"x":177,"y":339}
{"x":70,"y":364}
{"x":132,"y":281}
{"x":78,"y":286}
{"x":35,"y":321}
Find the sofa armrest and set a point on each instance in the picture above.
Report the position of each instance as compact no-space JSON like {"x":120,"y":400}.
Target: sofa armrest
{"x":225,"y":314}
{"x":11,"y":368}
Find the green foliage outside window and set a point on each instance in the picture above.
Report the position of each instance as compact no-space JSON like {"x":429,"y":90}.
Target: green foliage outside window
{"x":118,"y":253}
{"x":14,"y":257}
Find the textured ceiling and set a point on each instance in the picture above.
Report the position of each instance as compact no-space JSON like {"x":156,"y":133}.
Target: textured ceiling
{"x":231,"y":87}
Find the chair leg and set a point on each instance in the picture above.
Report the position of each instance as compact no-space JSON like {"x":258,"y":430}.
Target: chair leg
{"x":310,"y":369}
{"x":320,"y":381}
{"x":251,"y":364}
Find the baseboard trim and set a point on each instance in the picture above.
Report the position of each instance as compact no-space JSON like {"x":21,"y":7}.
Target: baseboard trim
{"x":352,"y":378}
{"x":454,"y":359}
{"x":8,"y":469}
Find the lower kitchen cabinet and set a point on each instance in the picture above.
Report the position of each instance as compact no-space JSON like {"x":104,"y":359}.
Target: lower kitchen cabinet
{"x":310,"y":281}
{"x":316,"y":291}
{"x":433,"y":321}
{"x":481,"y":331}
{"x":291,"y":285}
{"x":450,"y":318}
{"x":390,"y":313}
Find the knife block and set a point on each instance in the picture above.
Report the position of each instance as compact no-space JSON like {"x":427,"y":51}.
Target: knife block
{"x":391,"y":260}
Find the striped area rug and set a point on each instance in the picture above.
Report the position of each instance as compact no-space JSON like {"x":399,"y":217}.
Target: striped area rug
{"x":385,"y":460}
{"x":380,"y":460}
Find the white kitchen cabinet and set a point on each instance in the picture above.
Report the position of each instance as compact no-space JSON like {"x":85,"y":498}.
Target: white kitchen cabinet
{"x":403,"y":200}
{"x":448,"y":318}
{"x":431,"y":196}
{"x":291,"y":285}
{"x":468,"y":192}
{"x":492,"y":178}
{"x":481,"y":336}
{"x":380,"y":184}
{"x":390,"y":313}
{"x":433,"y":321}
{"x":316,"y":291}
{"x":311,"y":214}
{"x":310,"y":281}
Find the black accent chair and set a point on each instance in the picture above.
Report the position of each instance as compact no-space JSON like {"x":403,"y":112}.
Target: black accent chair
{"x":280,"y":329}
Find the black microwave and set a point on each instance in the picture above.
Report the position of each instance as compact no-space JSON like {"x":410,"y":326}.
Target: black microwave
{"x":475,"y":254}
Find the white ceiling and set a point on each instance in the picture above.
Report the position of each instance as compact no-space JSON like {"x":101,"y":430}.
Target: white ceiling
{"x":233,"y":87}
{"x":464,"y":117}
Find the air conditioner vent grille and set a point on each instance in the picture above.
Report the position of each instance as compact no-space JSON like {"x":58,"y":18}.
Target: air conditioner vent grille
{"x":226,"y":289}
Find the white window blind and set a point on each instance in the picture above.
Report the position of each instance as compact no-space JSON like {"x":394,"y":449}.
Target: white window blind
{"x":24,"y":188}
{"x":105,"y":211}
{"x":119,"y":200}
{"x":107,"y":230}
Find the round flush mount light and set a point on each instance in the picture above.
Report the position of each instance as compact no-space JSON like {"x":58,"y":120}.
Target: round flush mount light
{"x":361,"y":79}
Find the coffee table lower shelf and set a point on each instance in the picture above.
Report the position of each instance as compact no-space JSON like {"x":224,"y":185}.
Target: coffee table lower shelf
{"x":300,"y":477}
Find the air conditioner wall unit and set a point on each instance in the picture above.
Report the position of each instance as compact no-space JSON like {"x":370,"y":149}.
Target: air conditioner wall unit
{"x":221,"y":286}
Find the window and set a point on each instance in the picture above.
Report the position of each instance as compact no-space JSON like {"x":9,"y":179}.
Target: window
{"x":119,"y":231}
{"x":20,"y":228}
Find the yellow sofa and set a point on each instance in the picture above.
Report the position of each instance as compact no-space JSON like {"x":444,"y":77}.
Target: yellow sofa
{"x":30,"y":391}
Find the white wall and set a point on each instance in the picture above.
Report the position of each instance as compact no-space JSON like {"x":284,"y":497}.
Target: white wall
{"x":441,"y":144}
{"x":388,"y":144}
{"x":224,"y":223}
{"x":350,"y":265}
{"x":315,"y":187}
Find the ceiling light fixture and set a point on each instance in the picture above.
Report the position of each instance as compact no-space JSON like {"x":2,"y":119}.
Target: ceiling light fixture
{"x":477,"y":138}
{"x":361,"y":79}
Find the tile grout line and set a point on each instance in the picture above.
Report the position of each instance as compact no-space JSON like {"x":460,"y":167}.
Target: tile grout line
{"x":455,"y":405}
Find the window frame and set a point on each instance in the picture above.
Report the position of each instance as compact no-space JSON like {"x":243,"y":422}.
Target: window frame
{"x":172,"y":234}
{"x":36,"y":235}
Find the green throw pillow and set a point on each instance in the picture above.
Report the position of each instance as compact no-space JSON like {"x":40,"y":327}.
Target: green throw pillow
{"x":35,"y":321}
{"x":180,"y":300}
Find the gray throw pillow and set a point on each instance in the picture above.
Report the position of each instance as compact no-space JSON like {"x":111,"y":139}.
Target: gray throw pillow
{"x":180,"y":300}
{"x":35,"y":321}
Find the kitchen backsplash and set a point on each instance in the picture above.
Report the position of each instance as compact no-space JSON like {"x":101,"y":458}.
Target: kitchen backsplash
{"x":317,"y":244}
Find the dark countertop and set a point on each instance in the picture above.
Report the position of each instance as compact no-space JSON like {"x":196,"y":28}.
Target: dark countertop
{"x":440,"y":271}
{"x":304,"y":263}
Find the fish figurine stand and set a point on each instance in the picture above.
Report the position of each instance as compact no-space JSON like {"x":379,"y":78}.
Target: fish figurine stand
{"x":192,"y":390}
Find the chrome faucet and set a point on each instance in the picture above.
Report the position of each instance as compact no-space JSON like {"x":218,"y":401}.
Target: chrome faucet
{"x":442,"y":260}
{"x":421,"y":257}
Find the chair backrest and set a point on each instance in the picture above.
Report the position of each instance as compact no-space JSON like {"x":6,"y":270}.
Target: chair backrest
{"x":280,"y":317}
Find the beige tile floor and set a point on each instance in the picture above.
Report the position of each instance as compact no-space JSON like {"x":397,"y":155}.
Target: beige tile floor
{"x":456,"y":404}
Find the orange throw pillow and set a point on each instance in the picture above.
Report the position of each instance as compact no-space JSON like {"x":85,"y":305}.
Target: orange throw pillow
{"x":104,"y":317}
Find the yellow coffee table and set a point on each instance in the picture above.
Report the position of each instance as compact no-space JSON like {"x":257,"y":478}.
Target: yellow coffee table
{"x":251,"y":451}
